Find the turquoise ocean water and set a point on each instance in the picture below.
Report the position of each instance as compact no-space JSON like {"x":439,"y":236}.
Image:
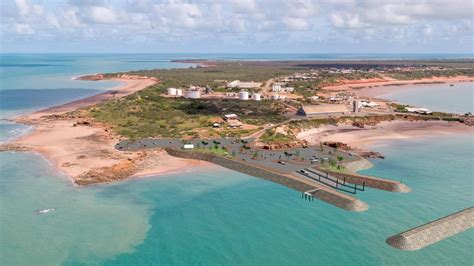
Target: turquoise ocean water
{"x":214,"y":216}
{"x":438,"y":97}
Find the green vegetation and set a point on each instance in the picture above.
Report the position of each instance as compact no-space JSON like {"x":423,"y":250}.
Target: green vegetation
{"x":147,"y":114}
{"x":216,"y":76}
{"x":311,"y":123}
{"x":334,"y":168}
{"x":421,"y":73}
{"x":221,"y":151}
{"x":308,"y":88}
{"x":272,"y":137}
{"x":399,"y":107}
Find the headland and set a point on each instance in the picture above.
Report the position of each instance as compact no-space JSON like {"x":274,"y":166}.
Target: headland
{"x":262,"y":100}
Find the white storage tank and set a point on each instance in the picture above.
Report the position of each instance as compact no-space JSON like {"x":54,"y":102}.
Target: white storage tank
{"x":194,"y":94}
{"x":179,"y":92}
{"x":172,"y":91}
{"x":244,"y":95}
{"x":256,"y":96}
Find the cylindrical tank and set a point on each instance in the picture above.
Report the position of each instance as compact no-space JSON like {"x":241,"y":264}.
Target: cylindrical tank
{"x":256,"y":96}
{"x":244,"y":95}
{"x":179,"y":92}
{"x":172,"y":91}
{"x":193,"y":94}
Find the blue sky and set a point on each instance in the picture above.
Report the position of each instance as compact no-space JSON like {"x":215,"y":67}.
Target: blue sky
{"x":237,"y":26}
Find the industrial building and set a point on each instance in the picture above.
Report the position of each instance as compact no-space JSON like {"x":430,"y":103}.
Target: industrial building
{"x":322,"y":109}
{"x":243,"y":85}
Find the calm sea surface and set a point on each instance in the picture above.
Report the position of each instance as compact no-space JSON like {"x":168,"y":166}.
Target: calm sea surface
{"x":210,"y":216}
{"x":458,"y":98}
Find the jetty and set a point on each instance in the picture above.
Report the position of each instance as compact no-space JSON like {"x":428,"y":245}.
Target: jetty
{"x":433,"y":232}
{"x":308,"y":188}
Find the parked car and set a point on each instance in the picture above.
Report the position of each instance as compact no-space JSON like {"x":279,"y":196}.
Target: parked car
{"x":281,"y":162}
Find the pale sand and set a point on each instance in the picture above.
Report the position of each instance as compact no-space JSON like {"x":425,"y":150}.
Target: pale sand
{"x":376,"y":87}
{"x":362,"y":138}
{"x":75,"y":149}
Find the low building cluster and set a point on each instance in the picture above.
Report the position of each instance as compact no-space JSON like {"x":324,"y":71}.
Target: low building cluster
{"x":243,"y":84}
{"x":281,"y":87}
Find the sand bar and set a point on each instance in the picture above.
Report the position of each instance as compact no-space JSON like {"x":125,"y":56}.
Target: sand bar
{"x":84,"y":150}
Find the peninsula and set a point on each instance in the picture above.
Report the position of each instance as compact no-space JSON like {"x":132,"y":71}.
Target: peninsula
{"x":302,"y":124}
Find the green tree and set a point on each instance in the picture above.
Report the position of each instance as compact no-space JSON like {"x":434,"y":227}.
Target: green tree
{"x":255,"y":155}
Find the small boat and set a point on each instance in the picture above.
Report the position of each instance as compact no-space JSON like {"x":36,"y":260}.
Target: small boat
{"x":38,"y":212}
{"x":452,"y":85}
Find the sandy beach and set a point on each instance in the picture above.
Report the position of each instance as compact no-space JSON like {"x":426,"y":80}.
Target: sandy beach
{"x":84,"y":150}
{"x":377,"y":87}
{"x":362,"y":138}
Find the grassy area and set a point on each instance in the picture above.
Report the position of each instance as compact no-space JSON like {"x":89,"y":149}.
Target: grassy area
{"x":221,"y":151}
{"x":147,"y":114}
{"x":335,"y":168}
{"x":311,"y":123}
{"x":272,"y":137}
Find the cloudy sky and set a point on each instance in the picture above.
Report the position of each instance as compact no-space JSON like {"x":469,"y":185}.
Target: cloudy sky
{"x":271,"y":26}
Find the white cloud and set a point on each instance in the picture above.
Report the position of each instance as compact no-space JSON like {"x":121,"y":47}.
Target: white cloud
{"x":244,"y":6}
{"x":390,"y":12}
{"x":24,"y":29}
{"x":245,"y":22}
{"x":25,"y":8}
{"x":102,"y":14}
{"x":346,"y":20}
{"x":296,"y":24}
{"x":427,"y":31}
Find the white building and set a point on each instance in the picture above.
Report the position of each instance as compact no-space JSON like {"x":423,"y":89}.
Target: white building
{"x":243,"y":85}
{"x":423,"y":111}
{"x":243,"y":95}
{"x":192,"y":94}
{"x":256,"y":96}
{"x":280,"y":87}
{"x":229,"y":117}
{"x":172,"y":91}
{"x":233,"y":84}
{"x":276,"y":88}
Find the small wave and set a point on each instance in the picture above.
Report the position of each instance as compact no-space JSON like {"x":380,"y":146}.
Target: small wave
{"x":15,"y":133}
